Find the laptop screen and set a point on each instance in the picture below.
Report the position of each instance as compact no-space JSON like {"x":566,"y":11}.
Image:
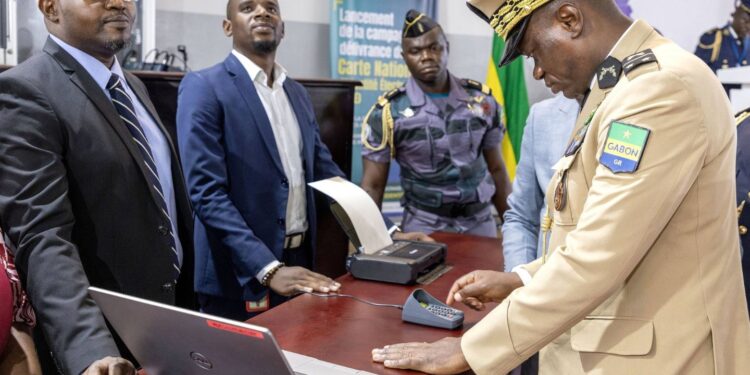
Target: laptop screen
{"x":167,"y":340}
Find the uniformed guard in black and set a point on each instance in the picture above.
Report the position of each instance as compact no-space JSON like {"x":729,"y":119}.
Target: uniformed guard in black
{"x":728,"y":46}
{"x":445,"y":133}
{"x":743,"y":191}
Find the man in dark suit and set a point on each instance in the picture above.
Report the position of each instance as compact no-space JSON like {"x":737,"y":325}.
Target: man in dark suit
{"x":250,"y":144}
{"x":91,"y":190}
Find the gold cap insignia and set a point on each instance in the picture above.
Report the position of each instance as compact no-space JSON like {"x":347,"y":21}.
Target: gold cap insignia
{"x":504,"y":15}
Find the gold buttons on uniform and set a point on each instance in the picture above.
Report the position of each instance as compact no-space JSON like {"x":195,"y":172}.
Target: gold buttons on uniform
{"x":743,"y":230}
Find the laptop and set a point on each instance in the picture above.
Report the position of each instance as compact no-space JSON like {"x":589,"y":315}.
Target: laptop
{"x":168,"y":340}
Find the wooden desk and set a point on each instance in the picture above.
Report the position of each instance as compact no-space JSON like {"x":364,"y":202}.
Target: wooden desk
{"x":344,"y":331}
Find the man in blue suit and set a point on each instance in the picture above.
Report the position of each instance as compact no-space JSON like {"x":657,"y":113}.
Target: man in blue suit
{"x":548,"y":128}
{"x":250,"y":144}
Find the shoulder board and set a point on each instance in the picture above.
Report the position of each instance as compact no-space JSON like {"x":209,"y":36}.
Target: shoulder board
{"x":711,"y":40}
{"x":634,"y":61}
{"x":742,"y":116}
{"x":390,"y":95}
{"x":706,"y":40}
{"x":474,"y":85}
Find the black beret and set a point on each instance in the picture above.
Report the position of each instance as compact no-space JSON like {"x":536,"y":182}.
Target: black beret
{"x":417,"y":24}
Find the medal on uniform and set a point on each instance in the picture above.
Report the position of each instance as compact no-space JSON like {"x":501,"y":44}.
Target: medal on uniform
{"x":561,"y":192}
{"x":577,"y":141}
{"x":408,"y":112}
{"x":476,"y":110}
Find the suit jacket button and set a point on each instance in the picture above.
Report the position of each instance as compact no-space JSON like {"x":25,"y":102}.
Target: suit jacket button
{"x":168,"y":287}
{"x":163,"y":230}
{"x":743,"y":230}
{"x":284,"y":182}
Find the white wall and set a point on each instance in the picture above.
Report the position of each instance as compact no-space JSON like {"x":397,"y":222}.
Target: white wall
{"x":196,"y":24}
{"x":452,"y":14}
{"x":313,"y":11}
{"x":683,"y":20}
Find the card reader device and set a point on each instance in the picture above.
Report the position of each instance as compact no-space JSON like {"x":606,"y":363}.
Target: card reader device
{"x":422,"y":308}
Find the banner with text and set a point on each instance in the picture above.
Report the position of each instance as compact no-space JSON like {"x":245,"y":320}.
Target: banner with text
{"x":366,"y":46}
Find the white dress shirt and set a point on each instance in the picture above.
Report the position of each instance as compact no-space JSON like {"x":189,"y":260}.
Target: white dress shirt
{"x":288,"y":138}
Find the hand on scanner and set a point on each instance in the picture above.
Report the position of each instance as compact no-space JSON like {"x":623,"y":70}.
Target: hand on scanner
{"x":479,"y":287}
{"x":412,"y":236}
{"x":291,"y":280}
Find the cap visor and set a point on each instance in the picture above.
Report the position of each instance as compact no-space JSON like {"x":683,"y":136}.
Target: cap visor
{"x":478,"y":12}
{"x":514,"y":40}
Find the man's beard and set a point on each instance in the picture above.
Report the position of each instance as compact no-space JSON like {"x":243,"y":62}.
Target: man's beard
{"x":265,"y":47}
{"x":117,"y":45}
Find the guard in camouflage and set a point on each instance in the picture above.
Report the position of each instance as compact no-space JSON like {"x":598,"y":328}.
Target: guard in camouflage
{"x":445,"y":134}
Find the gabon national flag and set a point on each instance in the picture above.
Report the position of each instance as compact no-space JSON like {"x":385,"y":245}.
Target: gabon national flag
{"x":509,"y":89}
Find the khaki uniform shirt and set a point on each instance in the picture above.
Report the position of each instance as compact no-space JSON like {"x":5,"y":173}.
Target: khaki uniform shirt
{"x":644,"y":272}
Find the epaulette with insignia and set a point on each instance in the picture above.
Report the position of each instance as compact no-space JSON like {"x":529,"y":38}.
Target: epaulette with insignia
{"x":712,"y":40}
{"x":637,"y":60}
{"x":474,"y":85}
{"x":387,"y":121}
{"x":706,"y":40}
{"x":390,"y":95}
{"x":608,"y":73}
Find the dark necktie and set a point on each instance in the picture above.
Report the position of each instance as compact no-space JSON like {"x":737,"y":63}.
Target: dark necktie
{"x":126,"y":110}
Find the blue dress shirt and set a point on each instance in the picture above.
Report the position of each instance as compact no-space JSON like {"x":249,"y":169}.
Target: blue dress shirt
{"x":156,"y":139}
{"x":548,"y":127}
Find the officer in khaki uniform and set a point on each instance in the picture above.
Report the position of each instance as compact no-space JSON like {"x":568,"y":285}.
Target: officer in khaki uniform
{"x":643,"y":268}
{"x":743,"y":192}
{"x":445,"y":134}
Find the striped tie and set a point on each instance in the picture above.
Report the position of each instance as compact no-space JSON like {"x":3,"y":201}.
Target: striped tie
{"x":125,"y":108}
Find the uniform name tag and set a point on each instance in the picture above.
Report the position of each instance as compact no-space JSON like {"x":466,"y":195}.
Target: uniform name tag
{"x":624,"y":147}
